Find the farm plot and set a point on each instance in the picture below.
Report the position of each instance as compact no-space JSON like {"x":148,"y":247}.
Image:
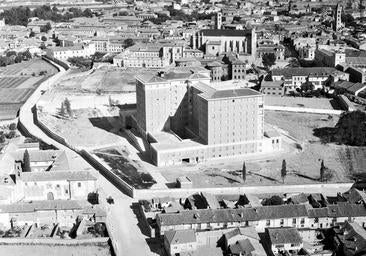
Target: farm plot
{"x":31,"y":67}
{"x":14,"y":95}
{"x":11,"y":82}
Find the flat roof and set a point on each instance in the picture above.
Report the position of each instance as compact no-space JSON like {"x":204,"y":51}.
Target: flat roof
{"x":232,"y":93}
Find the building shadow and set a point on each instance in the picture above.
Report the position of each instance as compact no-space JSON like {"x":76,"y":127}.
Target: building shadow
{"x":142,"y":222}
{"x":325,"y":134}
{"x":305,"y":176}
{"x":264,"y":176}
{"x":102,"y":123}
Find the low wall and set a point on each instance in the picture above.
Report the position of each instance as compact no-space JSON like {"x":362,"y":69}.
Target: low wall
{"x":305,"y":110}
{"x":52,"y":241}
{"x":46,"y":130}
{"x":180,"y":193}
{"x":106,"y":171}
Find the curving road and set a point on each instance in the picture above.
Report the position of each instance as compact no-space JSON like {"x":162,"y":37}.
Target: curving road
{"x":122,"y":224}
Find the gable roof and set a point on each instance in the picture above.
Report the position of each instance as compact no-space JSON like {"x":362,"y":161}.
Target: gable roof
{"x":284,"y":236}
{"x":180,"y":236}
{"x":44,"y":205}
{"x":246,"y":231}
{"x":57,"y":175}
{"x":225,"y":32}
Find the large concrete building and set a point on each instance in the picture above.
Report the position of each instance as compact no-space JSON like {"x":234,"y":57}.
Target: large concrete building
{"x":185,"y":119}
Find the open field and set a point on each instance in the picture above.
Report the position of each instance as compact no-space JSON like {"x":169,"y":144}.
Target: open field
{"x":102,"y":80}
{"x":9,"y":111}
{"x":18,"y":82}
{"x":301,"y":102}
{"x":27,"y":68}
{"x":41,"y":250}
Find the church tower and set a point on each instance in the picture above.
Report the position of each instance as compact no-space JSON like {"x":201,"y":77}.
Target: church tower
{"x":219,"y":20}
{"x":338,"y":18}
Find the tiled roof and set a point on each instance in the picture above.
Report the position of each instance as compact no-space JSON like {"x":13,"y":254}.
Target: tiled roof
{"x":208,"y":215}
{"x":44,"y":205}
{"x":281,"y":211}
{"x":316,"y":71}
{"x":261,"y":213}
{"x":57,"y":175}
{"x":225,"y":32}
{"x":247,"y":231}
{"x":284,"y":236}
{"x":180,"y":236}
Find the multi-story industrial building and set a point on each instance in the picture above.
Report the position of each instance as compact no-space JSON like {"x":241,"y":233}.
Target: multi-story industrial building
{"x":185,"y":119}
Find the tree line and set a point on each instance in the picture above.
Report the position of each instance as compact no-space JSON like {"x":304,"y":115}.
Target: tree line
{"x":21,"y":15}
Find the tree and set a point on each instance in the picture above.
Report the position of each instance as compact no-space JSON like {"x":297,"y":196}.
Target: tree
{"x":46,"y":28}
{"x":11,"y":53}
{"x":351,"y":128}
{"x":269,"y":59}
{"x":12,"y":126}
{"x":2,"y":138}
{"x":87,"y":13}
{"x":274,"y":200}
{"x":283,"y":170}
{"x":322,"y":171}
{"x":26,"y":162}
{"x":68,"y":107}
{"x":128,"y":42}
{"x":62,"y":109}
{"x":26,"y":55}
{"x":11,"y":134}
{"x":244,"y":172}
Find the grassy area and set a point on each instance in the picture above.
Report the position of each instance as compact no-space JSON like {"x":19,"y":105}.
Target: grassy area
{"x":28,"y":68}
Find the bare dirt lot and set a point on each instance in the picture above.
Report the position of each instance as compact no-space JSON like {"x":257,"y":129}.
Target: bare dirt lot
{"x":302,"y":166}
{"x":301,"y":102}
{"x":102,"y":80}
{"x":88,"y":129}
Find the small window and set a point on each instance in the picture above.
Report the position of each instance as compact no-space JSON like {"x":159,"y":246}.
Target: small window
{"x":79,"y":184}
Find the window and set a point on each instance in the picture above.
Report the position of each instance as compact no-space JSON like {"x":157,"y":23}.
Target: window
{"x":79,"y":184}
{"x":268,"y":223}
{"x":294,"y":221}
{"x":282,"y":222}
{"x":66,"y":191}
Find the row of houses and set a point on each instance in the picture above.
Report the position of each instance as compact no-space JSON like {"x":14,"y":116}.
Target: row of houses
{"x":299,"y":216}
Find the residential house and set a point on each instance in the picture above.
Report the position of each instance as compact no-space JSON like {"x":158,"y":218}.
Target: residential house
{"x":284,"y":240}
{"x":243,"y":241}
{"x":177,"y":242}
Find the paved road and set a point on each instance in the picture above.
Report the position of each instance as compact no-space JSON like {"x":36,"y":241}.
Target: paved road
{"x":122,"y":223}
